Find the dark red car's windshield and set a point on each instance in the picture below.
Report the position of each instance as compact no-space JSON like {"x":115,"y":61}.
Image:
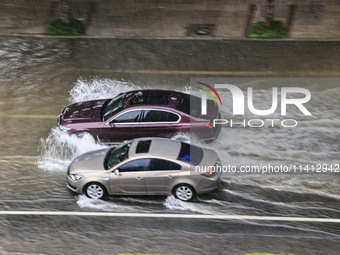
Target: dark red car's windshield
{"x":111,"y":107}
{"x":117,"y":155}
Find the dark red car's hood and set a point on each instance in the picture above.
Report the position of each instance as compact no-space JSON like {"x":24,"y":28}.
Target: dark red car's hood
{"x":88,"y":111}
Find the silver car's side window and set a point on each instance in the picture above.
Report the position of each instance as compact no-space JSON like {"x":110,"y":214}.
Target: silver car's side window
{"x":137,"y":165}
{"x":162,"y":165}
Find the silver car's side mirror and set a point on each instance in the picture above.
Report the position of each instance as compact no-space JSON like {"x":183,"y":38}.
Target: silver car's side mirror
{"x":116,"y":172}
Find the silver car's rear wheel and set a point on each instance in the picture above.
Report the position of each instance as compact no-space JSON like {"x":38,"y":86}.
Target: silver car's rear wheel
{"x":95,"y":191}
{"x":184,"y":192}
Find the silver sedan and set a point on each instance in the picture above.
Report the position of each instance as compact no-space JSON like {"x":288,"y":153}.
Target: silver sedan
{"x":147,"y":166}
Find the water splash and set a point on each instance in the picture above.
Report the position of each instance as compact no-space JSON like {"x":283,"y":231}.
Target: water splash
{"x":174,"y":204}
{"x":98,"y":88}
{"x":59,"y":149}
{"x":98,"y":204}
{"x":182,"y":137}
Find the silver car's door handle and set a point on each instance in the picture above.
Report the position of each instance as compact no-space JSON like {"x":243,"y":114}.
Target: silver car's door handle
{"x":139,"y":178}
{"x":170,"y":176}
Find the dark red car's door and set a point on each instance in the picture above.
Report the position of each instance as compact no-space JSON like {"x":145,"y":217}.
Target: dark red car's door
{"x":158,"y":123}
{"x":123,"y":126}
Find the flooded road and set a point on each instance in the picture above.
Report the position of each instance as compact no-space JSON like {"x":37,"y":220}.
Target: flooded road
{"x":38,"y":78}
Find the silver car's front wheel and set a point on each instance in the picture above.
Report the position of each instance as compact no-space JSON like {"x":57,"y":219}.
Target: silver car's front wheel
{"x":184,"y":192}
{"x":95,"y":191}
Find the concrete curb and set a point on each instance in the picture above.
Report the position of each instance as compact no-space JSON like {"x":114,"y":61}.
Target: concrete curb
{"x":172,"y":38}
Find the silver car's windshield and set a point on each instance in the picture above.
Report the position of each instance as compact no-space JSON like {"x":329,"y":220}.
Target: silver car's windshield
{"x":117,"y":155}
{"x":112,"y":107}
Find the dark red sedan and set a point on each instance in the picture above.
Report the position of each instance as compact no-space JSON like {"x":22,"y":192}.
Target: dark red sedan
{"x":141,"y":113}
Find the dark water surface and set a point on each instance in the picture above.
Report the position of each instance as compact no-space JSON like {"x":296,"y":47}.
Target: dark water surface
{"x":41,"y":77}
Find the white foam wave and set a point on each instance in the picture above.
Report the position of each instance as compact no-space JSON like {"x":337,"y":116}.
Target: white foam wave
{"x":98,"y":88}
{"x":182,"y":137}
{"x":59,"y":149}
{"x":177,"y":205}
{"x":281,"y":184}
{"x":212,"y":201}
{"x":98,"y":204}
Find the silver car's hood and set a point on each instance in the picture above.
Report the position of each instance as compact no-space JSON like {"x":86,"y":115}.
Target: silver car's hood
{"x":89,"y":161}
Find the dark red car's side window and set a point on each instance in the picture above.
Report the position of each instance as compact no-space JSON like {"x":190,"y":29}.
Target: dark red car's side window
{"x":127,"y":117}
{"x":159,"y":116}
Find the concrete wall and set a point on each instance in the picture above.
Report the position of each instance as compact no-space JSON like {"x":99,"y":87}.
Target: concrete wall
{"x":160,"y":18}
{"x":287,"y":57}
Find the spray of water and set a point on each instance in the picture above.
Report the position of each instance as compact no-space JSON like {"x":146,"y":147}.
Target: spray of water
{"x":174,"y":204}
{"x":97,"y":88}
{"x":59,"y":149}
{"x":97,"y":204}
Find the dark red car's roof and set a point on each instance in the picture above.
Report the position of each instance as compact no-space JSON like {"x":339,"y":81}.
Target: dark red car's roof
{"x":152,"y":97}
{"x":173,"y":99}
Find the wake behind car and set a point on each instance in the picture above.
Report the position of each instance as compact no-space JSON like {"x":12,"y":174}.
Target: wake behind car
{"x":148,"y":166}
{"x":140,"y":113}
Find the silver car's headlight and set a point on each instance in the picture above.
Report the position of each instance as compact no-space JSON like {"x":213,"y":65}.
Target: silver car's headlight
{"x":63,"y":128}
{"x":76,"y":177}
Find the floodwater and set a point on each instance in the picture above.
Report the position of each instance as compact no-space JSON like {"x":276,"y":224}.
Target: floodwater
{"x":38,"y":78}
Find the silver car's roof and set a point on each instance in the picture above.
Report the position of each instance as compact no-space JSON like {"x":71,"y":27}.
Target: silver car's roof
{"x":159,"y":147}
